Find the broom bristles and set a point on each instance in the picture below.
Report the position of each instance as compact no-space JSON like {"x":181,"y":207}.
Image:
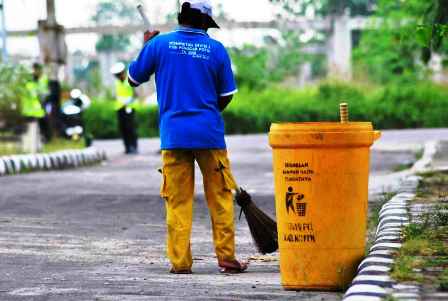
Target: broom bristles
{"x":262,"y":227}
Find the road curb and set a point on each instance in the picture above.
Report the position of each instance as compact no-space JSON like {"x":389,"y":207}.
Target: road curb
{"x":17,"y":164}
{"x":425,"y":162}
{"x":373,"y":281}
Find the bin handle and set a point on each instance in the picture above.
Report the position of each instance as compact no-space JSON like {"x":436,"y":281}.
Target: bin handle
{"x":376,"y":135}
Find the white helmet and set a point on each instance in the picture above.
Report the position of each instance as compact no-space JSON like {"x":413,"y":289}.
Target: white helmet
{"x":118,"y":68}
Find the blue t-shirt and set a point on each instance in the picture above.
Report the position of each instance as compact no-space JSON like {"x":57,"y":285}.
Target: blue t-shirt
{"x":192,"y":70}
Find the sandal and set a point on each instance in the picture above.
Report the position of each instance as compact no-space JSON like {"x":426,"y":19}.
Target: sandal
{"x":184,"y":272}
{"x":232,"y":267}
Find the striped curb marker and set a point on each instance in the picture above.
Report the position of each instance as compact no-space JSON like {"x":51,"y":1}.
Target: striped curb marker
{"x":362,"y":298}
{"x":379,"y":280}
{"x":382,"y":253}
{"x":2,"y":167}
{"x":10,"y":165}
{"x":365,"y":290}
{"x":373,"y":281}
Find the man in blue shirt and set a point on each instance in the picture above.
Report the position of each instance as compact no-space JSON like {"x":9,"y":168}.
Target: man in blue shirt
{"x":194,"y":83}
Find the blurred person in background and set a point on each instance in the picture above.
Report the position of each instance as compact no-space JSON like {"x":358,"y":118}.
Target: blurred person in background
{"x":195,"y":83}
{"x":41,"y":87}
{"x":125,"y":106}
{"x":33,"y":110}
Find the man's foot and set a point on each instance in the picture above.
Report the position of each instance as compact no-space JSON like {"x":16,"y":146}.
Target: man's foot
{"x":184,"y":271}
{"x":232,"y":266}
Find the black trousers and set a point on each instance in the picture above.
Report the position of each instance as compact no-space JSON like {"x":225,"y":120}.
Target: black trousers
{"x":127,"y":126}
{"x":45,"y":128}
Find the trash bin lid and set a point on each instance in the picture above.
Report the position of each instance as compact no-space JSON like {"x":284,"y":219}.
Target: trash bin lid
{"x":322,"y":134}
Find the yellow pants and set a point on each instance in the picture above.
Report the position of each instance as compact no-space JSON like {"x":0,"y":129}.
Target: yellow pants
{"x":178,"y":191}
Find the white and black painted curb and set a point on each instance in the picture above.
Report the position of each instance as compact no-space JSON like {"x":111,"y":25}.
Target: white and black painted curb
{"x":16,"y":164}
{"x":373,"y":281}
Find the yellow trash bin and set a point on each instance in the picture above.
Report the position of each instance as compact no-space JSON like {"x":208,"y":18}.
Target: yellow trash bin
{"x":321,"y":175}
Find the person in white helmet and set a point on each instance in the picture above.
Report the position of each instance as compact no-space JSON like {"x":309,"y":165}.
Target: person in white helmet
{"x":195,"y":83}
{"x":124,"y":104}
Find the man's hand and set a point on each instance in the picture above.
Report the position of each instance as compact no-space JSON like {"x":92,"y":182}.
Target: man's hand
{"x":148,"y":35}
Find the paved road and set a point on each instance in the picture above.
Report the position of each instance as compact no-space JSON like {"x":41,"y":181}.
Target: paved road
{"x":98,"y":233}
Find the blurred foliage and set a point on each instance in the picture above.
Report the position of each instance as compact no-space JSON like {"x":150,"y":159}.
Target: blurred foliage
{"x":13,"y":79}
{"x":256,"y":68}
{"x":394,"y":106}
{"x":101,"y":120}
{"x":250,"y":64}
{"x":322,"y":8}
{"x":391,"y":106}
{"x":110,"y":12}
{"x":391,"y":51}
{"x":88,"y":78}
{"x":433,"y":32}
{"x":326,"y":7}
{"x":406,"y":33}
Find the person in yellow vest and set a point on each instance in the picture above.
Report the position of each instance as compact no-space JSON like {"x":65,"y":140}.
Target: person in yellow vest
{"x":125,"y":106}
{"x":43,"y":92}
{"x":33,"y":111}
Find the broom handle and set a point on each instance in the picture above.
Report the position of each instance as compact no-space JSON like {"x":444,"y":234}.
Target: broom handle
{"x":144,"y":17}
{"x":237,"y":191}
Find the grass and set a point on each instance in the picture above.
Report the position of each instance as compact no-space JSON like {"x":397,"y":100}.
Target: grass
{"x":402,"y":167}
{"x":7,"y":149}
{"x":63,"y":144}
{"x":433,"y":187}
{"x":406,"y":267}
{"x":420,"y":252}
{"x":443,"y":280}
{"x":423,"y":257}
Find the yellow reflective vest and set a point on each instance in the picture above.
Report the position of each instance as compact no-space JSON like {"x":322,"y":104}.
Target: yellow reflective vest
{"x":42,"y":86}
{"x":124,"y":94}
{"x":31,"y":105}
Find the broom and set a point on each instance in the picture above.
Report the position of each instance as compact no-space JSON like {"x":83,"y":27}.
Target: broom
{"x":262,"y":228}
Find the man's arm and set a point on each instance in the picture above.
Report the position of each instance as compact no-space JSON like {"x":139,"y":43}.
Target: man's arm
{"x":141,"y":69}
{"x":224,"y":101}
{"x":131,"y":83}
{"x":226,"y":81}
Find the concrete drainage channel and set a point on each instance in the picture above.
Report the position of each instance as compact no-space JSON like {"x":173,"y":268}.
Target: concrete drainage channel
{"x":16,"y":164}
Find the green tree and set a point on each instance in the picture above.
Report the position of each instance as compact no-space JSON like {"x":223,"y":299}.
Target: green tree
{"x":256,"y":67}
{"x":250,"y":64}
{"x":13,"y":79}
{"x":321,"y":8}
{"x":327,"y":7}
{"x":391,"y":51}
{"x":433,"y":31}
{"x":110,"y":12}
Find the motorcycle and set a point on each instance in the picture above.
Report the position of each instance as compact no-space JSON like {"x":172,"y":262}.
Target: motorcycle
{"x":71,"y":116}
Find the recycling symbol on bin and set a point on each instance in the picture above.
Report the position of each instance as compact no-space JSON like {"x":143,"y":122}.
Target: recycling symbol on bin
{"x":295,"y":203}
